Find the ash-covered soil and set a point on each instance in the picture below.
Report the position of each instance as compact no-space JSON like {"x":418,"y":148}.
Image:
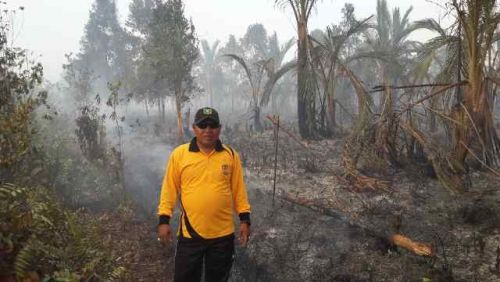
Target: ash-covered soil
{"x":340,"y":233}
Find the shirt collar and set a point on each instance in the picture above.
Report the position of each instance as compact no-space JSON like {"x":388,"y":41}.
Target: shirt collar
{"x":193,"y":146}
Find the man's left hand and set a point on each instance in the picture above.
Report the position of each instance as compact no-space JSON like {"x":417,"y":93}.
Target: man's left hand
{"x":244,"y":233}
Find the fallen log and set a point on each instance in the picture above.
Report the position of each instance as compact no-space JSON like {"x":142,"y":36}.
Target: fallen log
{"x":417,"y":248}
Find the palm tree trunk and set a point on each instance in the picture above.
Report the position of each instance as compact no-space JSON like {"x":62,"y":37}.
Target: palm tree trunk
{"x":163,"y":115}
{"x":210,"y":92}
{"x":159,"y":108}
{"x":303,"y":103}
{"x":256,"y":119}
{"x":332,"y":122}
{"x":477,"y":131}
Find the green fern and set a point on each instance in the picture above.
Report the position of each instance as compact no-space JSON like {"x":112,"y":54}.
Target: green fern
{"x":26,"y":256}
{"x":65,"y":276}
{"x":117,"y":273}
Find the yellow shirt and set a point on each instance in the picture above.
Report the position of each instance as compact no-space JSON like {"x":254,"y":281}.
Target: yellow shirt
{"x":210,"y":187}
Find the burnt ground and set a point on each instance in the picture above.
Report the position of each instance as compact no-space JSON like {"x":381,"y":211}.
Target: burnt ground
{"x":464,"y":230}
{"x":133,"y":241}
{"x":320,"y":228}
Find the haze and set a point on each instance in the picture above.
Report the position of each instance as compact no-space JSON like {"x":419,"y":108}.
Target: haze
{"x":53,"y":28}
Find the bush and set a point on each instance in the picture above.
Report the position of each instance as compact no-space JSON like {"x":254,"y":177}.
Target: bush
{"x":37,"y":236}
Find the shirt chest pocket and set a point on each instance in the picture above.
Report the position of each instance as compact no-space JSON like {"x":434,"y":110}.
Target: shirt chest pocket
{"x":222,"y":172}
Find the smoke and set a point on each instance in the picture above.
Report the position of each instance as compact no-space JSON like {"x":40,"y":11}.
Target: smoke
{"x":145,"y":159}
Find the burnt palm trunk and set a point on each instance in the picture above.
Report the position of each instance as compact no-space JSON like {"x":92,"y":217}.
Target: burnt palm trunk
{"x":476,"y":134}
{"x":256,"y":119}
{"x":302,"y":101}
{"x":331,"y":106}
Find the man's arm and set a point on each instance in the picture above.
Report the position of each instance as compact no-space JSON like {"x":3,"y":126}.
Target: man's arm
{"x":168,"y":198}
{"x":240,"y":199}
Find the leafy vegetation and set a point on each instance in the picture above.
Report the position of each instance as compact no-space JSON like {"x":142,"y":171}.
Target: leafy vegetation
{"x":39,"y":238}
{"x":41,"y":176}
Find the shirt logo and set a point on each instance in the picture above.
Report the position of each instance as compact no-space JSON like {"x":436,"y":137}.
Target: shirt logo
{"x":226,"y":170}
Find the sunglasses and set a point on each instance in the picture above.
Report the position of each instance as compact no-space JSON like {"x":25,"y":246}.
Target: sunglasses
{"x":204,"y":125}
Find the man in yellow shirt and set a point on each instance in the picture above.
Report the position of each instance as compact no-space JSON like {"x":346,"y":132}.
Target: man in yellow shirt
{"x":207,"y":179}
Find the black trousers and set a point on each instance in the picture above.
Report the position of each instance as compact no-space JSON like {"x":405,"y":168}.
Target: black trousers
{"x":216,"y":253}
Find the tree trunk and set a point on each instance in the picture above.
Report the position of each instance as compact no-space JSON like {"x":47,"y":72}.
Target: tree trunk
{"x":476,"y":132}
{"x":147,"y":107}
{"x":163,"y":114}
{"x":305,"y":121}
{"x":332,"y":122}
{"x":159,"y":109}
{"x":256,"y":119}
{"x":210,"y":92}
{"x":432,"y":116}
{"x":178,"y":108}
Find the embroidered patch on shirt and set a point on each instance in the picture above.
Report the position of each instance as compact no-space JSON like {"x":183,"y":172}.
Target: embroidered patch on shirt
{"x":226,"y":170}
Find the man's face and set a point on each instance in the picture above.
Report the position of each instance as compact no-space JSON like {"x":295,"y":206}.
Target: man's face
{"x":207,"y":132}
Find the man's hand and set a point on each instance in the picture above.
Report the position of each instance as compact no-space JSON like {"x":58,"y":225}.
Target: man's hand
{"x":164,"y":234}
{"x":244,"y":233}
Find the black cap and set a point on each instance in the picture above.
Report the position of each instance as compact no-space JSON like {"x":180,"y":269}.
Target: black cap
{"x":206,"y":113}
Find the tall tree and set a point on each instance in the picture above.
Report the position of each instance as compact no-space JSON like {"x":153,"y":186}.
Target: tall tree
{"x":256,"y":76}
{"x":332,"y":52}
{"x":470,"y":50}
{"x":139,"y":80}
{"x":209,"y":64}
{"x":305,"y":95}
{"x":140,"y":16}
{"x":103,"y":49}
{"x":391,"y":47}
{"x":480,"y":20}
{"x":255,"y":42}
{"x":231,"y":72}
{"x":172,"y":50}
{"x":276,"y":53}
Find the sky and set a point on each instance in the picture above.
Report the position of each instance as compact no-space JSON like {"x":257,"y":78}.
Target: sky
{"x":52,"y":28}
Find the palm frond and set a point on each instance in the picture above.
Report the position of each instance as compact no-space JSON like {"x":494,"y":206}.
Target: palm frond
{"x":209,"y":52}
{"x":241,"y":61}
{"x":405,"y":21}
{"x":268,"y":88}
{"x":286,"y":47}
{"x":384,"y":56}
{"x":431,"y":25}
{"x":332,"y":44}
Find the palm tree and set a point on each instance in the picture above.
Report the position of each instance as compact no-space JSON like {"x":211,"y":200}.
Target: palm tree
{"x":276,"y":54}
{"x":305,"y":95}
{"x":390,"y":47}
{"x":469,"y":54}
{"x":330,"y":57}
{"x":261,"y":91}
{"x":209,"y":62}
{"x":479,"y":20}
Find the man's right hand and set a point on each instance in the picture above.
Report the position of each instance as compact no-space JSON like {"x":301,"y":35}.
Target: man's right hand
{"x":164,"y":234}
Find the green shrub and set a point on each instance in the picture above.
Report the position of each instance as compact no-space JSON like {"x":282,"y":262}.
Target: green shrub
{"x":38,"y":235}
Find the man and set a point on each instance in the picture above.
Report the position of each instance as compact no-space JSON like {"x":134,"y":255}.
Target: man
{"x":207,"y":178}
